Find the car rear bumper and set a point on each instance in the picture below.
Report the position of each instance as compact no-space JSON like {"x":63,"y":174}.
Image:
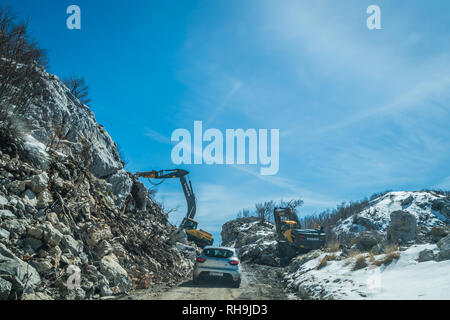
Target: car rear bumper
{"x":201,"y":271}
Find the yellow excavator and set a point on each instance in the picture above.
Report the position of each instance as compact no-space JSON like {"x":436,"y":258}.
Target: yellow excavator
{"x":292,"y":239}
{"x":199,"y":237}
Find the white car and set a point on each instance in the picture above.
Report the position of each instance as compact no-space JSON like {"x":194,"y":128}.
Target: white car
{"x":221,"y":262}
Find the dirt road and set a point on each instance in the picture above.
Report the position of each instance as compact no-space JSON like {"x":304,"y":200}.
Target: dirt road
{"x":258,"y":283}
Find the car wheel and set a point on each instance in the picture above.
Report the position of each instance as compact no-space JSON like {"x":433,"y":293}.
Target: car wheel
{"x":195,"y":280}
{"x":237,"y":284}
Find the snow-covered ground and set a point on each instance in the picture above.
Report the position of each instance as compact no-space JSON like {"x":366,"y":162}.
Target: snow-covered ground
{"x":378,"y":213}
{"x":404,"y":278}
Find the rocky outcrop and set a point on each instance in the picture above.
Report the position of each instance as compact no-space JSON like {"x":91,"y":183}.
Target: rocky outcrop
{"x":67,"y":203}
{"x":254,"y":239}
{"x":367,"y":240}
{"x":403,"y":227}
{"x":426,"y":255}
{"x":444,"y":248}
{"x":58,"y":120}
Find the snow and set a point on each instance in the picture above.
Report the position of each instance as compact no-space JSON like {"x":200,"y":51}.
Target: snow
{"x":380,"y":209}
{"x":404,"y":278}
{"x":247,"y":226}
{"x":35,"y":145}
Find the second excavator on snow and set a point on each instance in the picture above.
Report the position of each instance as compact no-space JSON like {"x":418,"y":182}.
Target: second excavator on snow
{"x":200,"y":237}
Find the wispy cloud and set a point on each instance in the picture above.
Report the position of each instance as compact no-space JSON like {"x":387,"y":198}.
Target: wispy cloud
{"x":156,"y":136}
{"x":235,"y":87}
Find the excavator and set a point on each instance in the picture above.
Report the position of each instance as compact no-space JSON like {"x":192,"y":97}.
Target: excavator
{"x":291,"y":238}
{"x":189,"y":225}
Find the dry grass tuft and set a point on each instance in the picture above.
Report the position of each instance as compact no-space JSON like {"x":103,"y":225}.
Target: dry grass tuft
{"x":372,"y":257}
{"x":324,"y":261}
{"x":391,"y":248}
{"x":359,"y":263}
{"x":333,"y":246}
{"x":392,"y":254}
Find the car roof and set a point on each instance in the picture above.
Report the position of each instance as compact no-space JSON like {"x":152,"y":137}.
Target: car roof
{"x":218,"y":247}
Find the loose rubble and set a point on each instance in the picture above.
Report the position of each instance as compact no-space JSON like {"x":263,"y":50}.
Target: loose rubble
{"x":66,"y":200}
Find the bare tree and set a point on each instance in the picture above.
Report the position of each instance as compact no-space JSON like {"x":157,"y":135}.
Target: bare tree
{"x":78,"y":88}
{"x":21,"y":60}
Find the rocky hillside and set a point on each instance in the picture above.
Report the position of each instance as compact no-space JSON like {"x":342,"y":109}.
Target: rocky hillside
{"x":396,"y":247}
{"x":428,"y":208}
{"x":254,"y":239}
{"x":67,"y":202}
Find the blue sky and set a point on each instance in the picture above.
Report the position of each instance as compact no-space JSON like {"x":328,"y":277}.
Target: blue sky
{"x":359,"y":111}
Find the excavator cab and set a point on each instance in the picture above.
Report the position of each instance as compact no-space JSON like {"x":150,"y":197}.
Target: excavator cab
{"x":291,"y":238}
{"x":189,"y":224}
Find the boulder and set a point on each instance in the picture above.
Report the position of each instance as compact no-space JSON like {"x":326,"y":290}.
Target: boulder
{"x":51,"y":235}
{"x":426,"y":255}
{"x":16,"y":271}
{"x":74,"y":246}
{"x":6,"y":214}
{"x":52,"y":217}
{"x":36,"y":296}
{"x":16,"y":227}
{"x":29,"y":198}
{"x":5,"y":289}
{"x":115,"y":273}
{"x":17,"y":187}
{"x":4,"y":234}
{"x":178,"y":235}
{"x":438,"y":232}
{"x":366,"y":240}
{"x":3,"y":201}
{"x":94,"y":233}
{"x":268,"y":260}
{"x":403,"y":227}
{"x":140,"y":195}
{"x":39,"y":182}
{"x":31,"y":245}
{"x":34,"y":152}
{"x":41,"y":265}
{"x":103,"y":248}
{"x":121,"y":186}
{"x":188,"y":251}
{"x":44,"y":199}
{"x":444,"y":248}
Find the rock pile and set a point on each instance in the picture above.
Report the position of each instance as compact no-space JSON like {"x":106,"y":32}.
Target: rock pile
{"x":67,"y":203}
{"x":255,"y":240}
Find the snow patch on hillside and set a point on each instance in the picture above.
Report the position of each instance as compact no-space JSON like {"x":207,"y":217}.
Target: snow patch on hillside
{"x":404,"y":278}
{"x":378,"y":213}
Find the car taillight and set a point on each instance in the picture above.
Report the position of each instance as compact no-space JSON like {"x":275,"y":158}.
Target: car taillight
{"x":234,"y":262}
{"x":301,"y":238}
{"x":200,"y":259}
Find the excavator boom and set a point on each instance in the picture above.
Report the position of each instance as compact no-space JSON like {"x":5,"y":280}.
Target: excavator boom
{"x":185,"y":184}
{"x":201,"y":237}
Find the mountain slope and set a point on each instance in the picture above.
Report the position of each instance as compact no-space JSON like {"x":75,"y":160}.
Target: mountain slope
{"x":395,"y":247}
{"x":67,"y":203}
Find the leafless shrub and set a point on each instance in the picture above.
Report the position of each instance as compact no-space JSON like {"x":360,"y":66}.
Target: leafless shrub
{"x":21,"y":59}
{"x":78,"y":88}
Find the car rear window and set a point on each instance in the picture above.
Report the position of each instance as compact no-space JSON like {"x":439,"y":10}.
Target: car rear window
{"x":218,"y":253}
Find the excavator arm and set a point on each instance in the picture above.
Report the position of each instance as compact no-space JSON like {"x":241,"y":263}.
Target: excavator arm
{"x":200,"y":237}
{"x":185,"y":184}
